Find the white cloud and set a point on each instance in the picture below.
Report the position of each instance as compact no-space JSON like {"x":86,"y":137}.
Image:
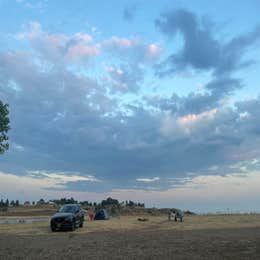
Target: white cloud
{"x":148,"y":179}
{"x":120,"y":42}
{"x":154,"y":51}
{"x":59,"y":47}
{"x":31,"y":187}
{"x":81,"y":50}
{"x":61,"y":177}
{"x":174,"y":127}
{"x":83,"y":37}
{"x":244,"y":115}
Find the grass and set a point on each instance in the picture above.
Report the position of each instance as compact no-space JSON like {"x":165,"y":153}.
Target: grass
{"x":126,"y":223}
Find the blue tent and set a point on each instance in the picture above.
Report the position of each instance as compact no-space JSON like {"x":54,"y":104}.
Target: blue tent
{"x":101,"y":215}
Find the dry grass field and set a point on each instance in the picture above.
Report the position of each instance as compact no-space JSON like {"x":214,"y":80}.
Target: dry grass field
{"x":198,"y":237}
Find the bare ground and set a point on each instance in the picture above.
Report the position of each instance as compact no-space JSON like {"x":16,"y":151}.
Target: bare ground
{"x":199,"y":237}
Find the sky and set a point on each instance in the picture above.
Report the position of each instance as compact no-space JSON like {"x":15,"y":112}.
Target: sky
{"x":152,"y":101}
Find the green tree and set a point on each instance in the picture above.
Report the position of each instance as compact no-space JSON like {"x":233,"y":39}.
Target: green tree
{"x":4,"y":127}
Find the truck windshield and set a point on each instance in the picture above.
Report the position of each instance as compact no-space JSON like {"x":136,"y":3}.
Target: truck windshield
{"x":67,"y":208}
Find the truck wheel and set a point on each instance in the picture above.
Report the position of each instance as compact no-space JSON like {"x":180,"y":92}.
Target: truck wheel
{"x":53,"y":229}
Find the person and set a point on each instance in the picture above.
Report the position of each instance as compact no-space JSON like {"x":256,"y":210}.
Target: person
{"x":171,"y":215}
{"x":91,"y":215}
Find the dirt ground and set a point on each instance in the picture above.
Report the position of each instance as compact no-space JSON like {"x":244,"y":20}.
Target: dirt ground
{"x":199,"y":237}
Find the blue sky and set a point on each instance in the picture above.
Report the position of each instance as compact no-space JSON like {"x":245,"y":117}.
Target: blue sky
{"x":155,"y":101}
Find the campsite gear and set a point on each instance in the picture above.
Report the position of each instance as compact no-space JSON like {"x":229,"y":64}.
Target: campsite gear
{"x":101,"y":215}
{"x":179,"y":215}
{"x":176,"y":214}
{"x":171,"y":216}
{"x":142,"y":219}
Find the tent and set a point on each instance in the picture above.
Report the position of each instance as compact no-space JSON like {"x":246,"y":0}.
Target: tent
{"x":101,"y":215}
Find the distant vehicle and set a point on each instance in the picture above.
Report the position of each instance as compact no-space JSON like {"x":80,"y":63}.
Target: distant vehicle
{"x":69,"y":217}
{"x":176,"y":214}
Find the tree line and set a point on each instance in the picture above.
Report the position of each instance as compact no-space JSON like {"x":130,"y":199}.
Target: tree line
{"x":6,"y":203}
{"x":109,"y":202}
{"x":104,"y":203}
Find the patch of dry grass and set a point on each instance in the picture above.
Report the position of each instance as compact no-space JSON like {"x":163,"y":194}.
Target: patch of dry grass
{"x":126,"y":223}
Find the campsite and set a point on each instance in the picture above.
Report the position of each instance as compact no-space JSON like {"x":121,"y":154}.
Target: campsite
{"x":129,"y":129}
{"x":216,"y":236}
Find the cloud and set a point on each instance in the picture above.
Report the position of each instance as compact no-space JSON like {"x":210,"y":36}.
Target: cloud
{"x":134,"y":48}
{"x":30,"y":188}
{"x":148,"y":179}
{"x":154,"y":50}
{"x":126,"y":78}
{"x":203,"y":193}
{"x":59,"y":47}
{"x":61,"y":177}
{"x":201,"y":49}
{"x":120,"y":43}
{"x":43,"y":180}
{"x":222,"y":86}
{"x":81,"y":50}
{"x":71,"y":121}
{"x":187,"y":125}
{"x":129,"y":12}
{"x":76,"y":126}
{"x":214,"y":94}
{"x":131,"y":58}
{"x":131,"y":55}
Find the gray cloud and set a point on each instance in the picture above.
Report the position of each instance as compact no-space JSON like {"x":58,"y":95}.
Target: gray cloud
{"x":72,"y":125}
{"x":125,"y":78}
{"x":222,"y":86}
{"x":131,"y":59}
{"x":216,"y":90}
{"x":201,"y":49}
{"x":63,"y":121}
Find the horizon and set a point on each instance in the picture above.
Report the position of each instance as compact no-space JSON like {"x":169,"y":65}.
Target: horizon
{"x":36,"y":203}
{"x":152,"y":102}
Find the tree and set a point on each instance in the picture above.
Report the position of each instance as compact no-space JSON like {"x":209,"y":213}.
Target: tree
{"x":41,"y":201}
{"x":4,"y":127}
{"x":109,"y":202}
